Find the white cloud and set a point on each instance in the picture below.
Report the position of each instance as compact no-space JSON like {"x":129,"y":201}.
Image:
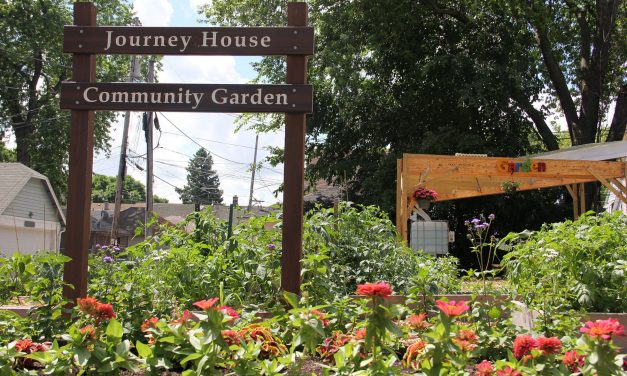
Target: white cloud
{"x":154,"y":12}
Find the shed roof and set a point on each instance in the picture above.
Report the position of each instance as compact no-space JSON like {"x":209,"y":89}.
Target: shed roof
{"x":14,"y":176}
{"x":603,"y":151}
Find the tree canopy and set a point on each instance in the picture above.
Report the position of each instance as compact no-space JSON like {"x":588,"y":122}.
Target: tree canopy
{"x":32,"y":67}
{"x":401,"y":76}
{"x":133,"y":191}
{"x":203,"y":183}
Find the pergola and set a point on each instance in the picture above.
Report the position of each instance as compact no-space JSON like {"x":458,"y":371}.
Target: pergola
{"x":464,"y":176}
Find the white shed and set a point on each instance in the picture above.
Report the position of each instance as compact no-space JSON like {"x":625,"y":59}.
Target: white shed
{"x":30,"y":215}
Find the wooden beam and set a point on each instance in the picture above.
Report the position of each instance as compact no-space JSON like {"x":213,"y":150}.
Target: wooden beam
{"x":405,"y":216}
{"x":609,"y":186}
{"x":575,"y":201}
{"x":619,"y":185}
{"x":399,"y":194}
{"x":582,"y":198}
{"x":570,"y":191}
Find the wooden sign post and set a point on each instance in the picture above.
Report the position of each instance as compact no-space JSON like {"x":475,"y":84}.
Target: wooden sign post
{"x":83,"y":96}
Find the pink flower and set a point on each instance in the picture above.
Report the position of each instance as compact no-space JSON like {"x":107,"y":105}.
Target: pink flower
{"x":382,"y":289}
{"x":229,"y":312}
{"x":452,"y":308}
{"x":484,"y":368}
{"x":604,"y":329}
{"x":205,"y":305}
{"x":550,"y":345}
{"x":523,"y":345}
{"x":508,"y":371}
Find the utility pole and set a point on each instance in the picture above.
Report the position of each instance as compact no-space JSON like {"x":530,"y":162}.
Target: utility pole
{"x":252,"y":179}
{"x":135,"y":74}
{"x":149,"y":172}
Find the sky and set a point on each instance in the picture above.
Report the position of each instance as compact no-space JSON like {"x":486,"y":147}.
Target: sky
{"x":232,"y":152}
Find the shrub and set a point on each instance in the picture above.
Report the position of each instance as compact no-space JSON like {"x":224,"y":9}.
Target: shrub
{"x":577,"y":265}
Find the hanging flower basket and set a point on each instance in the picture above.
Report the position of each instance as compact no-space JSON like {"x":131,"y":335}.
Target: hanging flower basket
{"x":423,"y":197}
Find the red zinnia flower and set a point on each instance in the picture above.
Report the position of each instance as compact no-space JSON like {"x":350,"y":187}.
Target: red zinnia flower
{"x":149,"y":324}
{"x":604,"y":329}
{"x":104,"y":312}
{"x":523,"y":345}
{"x":550,"y":345}
{"x":573,"y":361}
{"x":229,"y":311}
{"x":508,"y":371}
{"x":484,"y":368}
{"x":23,"y":345}
{"x":382,"y":289}
{"x":206,"y":304}
{"x":88,"y":305}
{"x":452,"y":308}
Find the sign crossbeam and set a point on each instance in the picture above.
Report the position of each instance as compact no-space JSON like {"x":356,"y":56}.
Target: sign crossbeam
{"x":238,"y":41}
{"x":186,"y":97}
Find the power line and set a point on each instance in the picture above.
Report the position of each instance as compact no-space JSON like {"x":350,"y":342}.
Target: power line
{"x":196,"y":142}
{"x":217,"y":142}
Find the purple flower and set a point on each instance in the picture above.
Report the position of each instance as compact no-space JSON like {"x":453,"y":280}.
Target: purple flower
{"x":116,"y":248}
{"x":475,"y":221}
{"x":105,"y":247}
{"x":491,"y":217}
{"x":98,"y":246}
{"x":108,"y":259}
{"x":271,"y":246}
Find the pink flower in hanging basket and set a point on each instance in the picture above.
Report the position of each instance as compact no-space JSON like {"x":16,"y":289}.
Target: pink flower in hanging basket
{"x":422,"y":193}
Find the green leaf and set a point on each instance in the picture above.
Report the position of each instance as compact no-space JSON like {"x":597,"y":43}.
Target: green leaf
{"x":114,"y":329}
{"x":143,"y":350}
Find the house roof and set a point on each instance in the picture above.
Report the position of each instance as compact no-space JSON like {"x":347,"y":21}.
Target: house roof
{"x":603,"y":151}
{"x":14,"y":176}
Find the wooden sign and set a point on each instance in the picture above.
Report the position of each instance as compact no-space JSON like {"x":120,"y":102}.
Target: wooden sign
{"x":241,"y":41}
{"x":186,"y":97}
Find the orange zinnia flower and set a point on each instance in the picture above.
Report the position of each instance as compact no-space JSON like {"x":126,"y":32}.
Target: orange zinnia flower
{"x":206,"y":304}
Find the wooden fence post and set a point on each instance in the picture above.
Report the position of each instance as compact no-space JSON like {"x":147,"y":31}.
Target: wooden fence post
{"x":294,"y":172}
{"x":80,"y":165}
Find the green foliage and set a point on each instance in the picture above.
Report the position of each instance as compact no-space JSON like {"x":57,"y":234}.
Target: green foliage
{"x":572,"y":265}
{"x":203,"y":183}
{"x":32,"y":68}
{"x":103,"y":189}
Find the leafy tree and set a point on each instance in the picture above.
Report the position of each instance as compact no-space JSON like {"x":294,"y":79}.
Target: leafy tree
{"x":160,"y":200}
{"x":103,"y":189}
{"x":6,"y":155}
{"x":203,"y":183}
{"x":401,"y":76}
{"x":32,"y":67}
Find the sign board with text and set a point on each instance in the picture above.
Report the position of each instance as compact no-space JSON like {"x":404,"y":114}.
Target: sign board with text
{"x":186,"y":97}
{"x":240,"y":41}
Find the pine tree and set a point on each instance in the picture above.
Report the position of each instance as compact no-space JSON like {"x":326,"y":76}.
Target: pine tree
{"x":203,"y":183}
